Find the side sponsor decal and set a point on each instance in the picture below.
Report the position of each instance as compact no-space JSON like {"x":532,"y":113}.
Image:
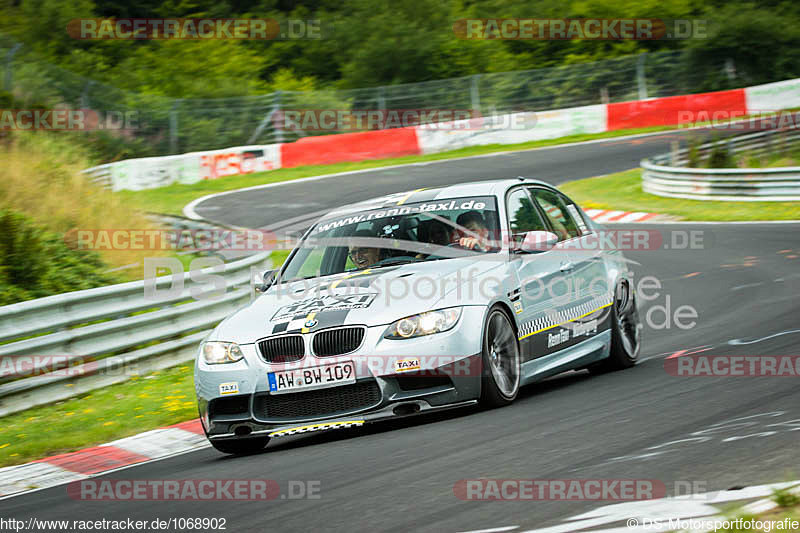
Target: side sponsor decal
{"x":560,"y":330}
{"x":559,"y":318}
{"x":559,"y":337}
{"x":585,"y":328}
{"x":566,"y":335}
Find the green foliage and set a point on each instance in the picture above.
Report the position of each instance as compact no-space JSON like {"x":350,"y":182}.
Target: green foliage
{"x":785,"y":498}
{"x":36,"y":263}
{"x":369,"y":44}
{"x":720,"y":156}
{"x":694,"y":152}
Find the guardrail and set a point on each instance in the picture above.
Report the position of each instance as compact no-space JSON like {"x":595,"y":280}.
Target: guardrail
{"x":100,"y":175}
{"x":663,"y":176}
{"x":109,"y":334}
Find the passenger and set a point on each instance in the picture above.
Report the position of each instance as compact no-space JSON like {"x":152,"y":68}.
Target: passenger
{"x":477,"y":234}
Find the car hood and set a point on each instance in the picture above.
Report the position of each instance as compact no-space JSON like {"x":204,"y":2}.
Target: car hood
{"x":371,"y":297}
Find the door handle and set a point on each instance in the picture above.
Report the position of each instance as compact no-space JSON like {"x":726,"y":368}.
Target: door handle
{"x":567,"y":267}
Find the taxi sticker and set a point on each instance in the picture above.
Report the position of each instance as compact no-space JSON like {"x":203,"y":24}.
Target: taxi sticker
{"x":229,"y":388}
{"x":407,"y":365}
{"x":518,"y":307}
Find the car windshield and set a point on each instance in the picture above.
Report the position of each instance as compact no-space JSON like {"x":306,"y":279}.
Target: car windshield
{"x":392,"y":232}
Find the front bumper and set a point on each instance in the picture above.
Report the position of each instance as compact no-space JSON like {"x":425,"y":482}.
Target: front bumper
{"x":396,"y":410}
{"x":443,"y":380}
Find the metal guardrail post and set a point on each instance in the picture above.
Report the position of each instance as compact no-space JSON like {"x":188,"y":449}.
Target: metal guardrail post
{"x":173,"y":127}
{"x":475,"y":94}
{"x":641,"y":80}
{"x":8,"y":78}
{"x":85,"y":94}
{"x":381,"y":98}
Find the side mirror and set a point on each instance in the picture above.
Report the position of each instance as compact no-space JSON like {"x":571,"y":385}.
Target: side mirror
{"x":268,"y":279}
{"x":537,"y":241}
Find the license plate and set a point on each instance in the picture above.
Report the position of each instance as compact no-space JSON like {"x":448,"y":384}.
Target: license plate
{"x":316,"y":377}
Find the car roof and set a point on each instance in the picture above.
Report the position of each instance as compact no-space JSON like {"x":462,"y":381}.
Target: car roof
{"x":472,"y":188}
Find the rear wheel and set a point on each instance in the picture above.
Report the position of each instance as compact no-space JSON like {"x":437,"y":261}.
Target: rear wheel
{"x":501,"y":360}
{"x":240,"y":446}
{"x":626,"y":332}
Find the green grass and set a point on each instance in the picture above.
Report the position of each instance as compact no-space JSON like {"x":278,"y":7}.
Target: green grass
{"x":160,"y":399}
{"x":773,"y":161}
{"x":623,"y":191}
{"x":173,"y":198}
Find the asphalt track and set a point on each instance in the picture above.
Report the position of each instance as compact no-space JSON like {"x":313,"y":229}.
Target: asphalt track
{"x":637,"y":424}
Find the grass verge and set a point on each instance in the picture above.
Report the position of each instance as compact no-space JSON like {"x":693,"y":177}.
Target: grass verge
{"x":623,"y":191}
{"x":781,"y":518}
{"x":143,"y":403}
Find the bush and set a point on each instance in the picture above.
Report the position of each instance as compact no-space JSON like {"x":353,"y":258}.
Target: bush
{"x":35,"y":263}
{"x":43,"y":180}
{"x":720,"y":157}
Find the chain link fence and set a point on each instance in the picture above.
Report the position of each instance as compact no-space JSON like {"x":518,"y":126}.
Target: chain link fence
{"x":170,"y":126}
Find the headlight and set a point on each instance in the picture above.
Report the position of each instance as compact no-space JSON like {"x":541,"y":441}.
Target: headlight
{"x":215,"y":353}
{"x":424,"y":324}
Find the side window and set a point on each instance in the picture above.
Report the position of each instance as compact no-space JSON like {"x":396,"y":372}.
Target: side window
{"x":522,"y":215}
{"x":312,"y":264}
{"x":557,"y":213}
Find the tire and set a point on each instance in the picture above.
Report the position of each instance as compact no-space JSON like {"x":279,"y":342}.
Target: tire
{"x":240,"y":446}
{"x":500,"y":359}
{"x":626,"y":332}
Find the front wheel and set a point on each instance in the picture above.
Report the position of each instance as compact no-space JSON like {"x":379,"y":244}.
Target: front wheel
{"x":240,"y":446}
{"x":501,"y":360}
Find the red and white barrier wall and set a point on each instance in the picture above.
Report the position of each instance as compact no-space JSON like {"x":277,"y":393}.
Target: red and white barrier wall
{"x":146,"y":173}
{"x":152,"y":172}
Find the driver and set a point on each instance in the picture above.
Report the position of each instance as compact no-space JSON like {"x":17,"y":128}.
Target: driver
{"x":363,"y":257}
{"x":477,"y":236}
